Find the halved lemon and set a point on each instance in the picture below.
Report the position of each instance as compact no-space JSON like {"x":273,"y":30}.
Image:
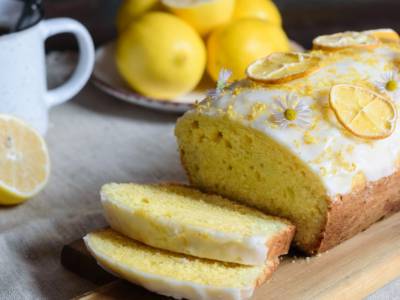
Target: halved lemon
{"x":24,"y":160}
{"x":349,"y":39}
{"x":384,"y":35}
{"x":363,"y":112}
{"x":281,"y":67}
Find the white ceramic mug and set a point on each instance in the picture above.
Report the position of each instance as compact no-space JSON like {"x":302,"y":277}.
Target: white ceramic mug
{"x":23,"y":88}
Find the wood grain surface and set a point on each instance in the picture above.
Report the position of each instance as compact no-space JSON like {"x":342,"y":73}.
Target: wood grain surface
{"x":352,"y":270}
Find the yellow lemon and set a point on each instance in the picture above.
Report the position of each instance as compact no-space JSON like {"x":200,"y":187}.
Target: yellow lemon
{"x":280,"y":67}
{"x":203,"y":15}
{"x":238,"y":44}
{"x":161,"y":56}
{"x":363,"y":112}
{"x":131,"y":9}
{"x":24,"y":160}
{"x":261,"y":9}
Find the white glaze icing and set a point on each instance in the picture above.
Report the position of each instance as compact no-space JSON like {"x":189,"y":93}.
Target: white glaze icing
{"x":166,"y":285}
{"x":336,"y":156}
{"x":184,"y":238}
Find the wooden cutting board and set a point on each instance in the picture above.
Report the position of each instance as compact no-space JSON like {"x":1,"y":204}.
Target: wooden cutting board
{"x":352,"y":270}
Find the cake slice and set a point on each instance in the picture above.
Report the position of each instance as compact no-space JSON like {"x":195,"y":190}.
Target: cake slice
{"x":184,"y":220}
{"x":172,"y":274}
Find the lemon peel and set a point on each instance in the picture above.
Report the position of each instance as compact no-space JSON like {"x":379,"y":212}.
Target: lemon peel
{"x":203,"y":15}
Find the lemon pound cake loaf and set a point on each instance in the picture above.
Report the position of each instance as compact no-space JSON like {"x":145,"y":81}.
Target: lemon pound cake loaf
{"x":184,"y":220}
{"x":312,"y":137}
{"x":174,"y":274}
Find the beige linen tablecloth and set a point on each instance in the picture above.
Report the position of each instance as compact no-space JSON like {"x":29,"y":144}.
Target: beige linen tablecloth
{"x":93,"y":139}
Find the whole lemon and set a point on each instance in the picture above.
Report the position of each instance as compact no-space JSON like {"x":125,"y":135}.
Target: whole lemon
{"x":131,"y":9}
{"x":202,"y":15}
{"x":236,"y":45}
{"x":161,"y":56}
{"x":261,"y":9}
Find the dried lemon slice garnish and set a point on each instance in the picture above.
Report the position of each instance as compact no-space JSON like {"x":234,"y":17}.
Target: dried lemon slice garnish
{"x":349,"y":39}
{"x":385,"y":35}
{"x":282,"y":67}
{"x":363,"y":112}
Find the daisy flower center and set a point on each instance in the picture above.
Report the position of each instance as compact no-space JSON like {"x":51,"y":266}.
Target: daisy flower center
{"x":290,"y":114}
{"x":391,"y":85}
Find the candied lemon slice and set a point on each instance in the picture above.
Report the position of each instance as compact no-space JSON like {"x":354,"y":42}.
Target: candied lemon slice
{"x":282,"y":67}
{"x":384,"y":34}
{"x":349,"y":39}
{"x":363,"y":112}
{"x":24,"y":161}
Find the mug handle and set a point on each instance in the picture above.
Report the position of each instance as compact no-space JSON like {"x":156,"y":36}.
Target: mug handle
{"x":85,"y":65}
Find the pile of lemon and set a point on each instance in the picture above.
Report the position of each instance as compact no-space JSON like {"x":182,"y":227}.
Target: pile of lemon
{"x":165,"y":46}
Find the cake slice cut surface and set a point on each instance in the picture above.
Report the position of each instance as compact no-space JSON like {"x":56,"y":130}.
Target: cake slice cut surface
{"x":184,"y":220}
{"x":172,"y":274}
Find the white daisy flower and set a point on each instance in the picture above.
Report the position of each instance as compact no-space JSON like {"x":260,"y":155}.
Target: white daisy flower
{"x":222,"y":83}
{"x":223,"y":78}
{"x":290,"y":111}
{"x":389,"y":84}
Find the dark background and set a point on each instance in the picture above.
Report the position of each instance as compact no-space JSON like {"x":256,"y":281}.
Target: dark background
{"x":302,"y":19}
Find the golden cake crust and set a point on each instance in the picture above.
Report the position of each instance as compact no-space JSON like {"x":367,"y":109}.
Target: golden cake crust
{"x":354,"y":212}
{"x":280,"y":244}
{"x":268,"y":271}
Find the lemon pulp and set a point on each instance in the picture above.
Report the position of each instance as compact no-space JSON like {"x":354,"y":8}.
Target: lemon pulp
{"x":24,"y":159}
{"x":364,"y":113}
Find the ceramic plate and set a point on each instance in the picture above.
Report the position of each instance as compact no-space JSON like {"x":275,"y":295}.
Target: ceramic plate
{"x":106,"y":78}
